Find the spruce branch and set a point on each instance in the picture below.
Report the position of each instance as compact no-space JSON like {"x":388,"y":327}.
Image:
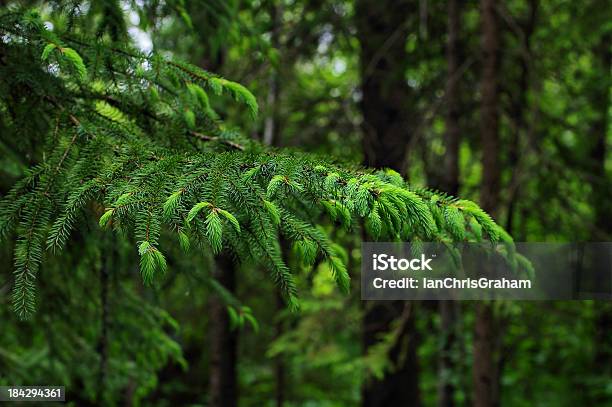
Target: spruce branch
{"x":204,"y":137}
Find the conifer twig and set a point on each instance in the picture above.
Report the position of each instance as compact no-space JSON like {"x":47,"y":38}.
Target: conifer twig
{"x":204,"y":137}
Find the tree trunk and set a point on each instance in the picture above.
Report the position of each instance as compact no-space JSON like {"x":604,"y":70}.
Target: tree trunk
{"x":279,"y":362}
{"x":518,"y":109}
{"x":400,"y":387}
{"x":485,"y":372}
{"x":453,"y":132}
{"x":270,"y":136}
{"x":448,"y":309}
{"x":485,"y":376}
{"x":222,"y":379}
{"x":446,"y":363}
{"x":223,"y":341}
{"x":105,"y":270}
{"x":489,"y":193}
{"x":381,"y":29}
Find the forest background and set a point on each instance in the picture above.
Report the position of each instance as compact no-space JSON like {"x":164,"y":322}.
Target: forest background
{"x":505,"y":103}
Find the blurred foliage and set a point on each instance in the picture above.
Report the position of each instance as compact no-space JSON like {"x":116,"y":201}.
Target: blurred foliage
{"x":553,"y":353}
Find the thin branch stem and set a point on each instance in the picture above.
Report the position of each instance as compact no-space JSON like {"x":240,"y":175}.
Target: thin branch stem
{"x":204,"y":137}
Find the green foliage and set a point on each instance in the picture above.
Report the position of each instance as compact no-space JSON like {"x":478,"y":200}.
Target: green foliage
{"x":240,"y":316}
{"x":374,"y":222}
{"x":455,"y":222}
{"x":102,"y":149}
{"x":239,"y":92}
{"x":306,"y":250}
{"x":158,"y":159}
{"x":482,"y":218}
{"x":193,"y":212}
{"x":273,"y":212}
{"x":184,"y":241}
{"x":231,"y":218}
{"x":273,"y":186}
{"x":76,"y":61}
{"x":105,"y":218}
{"x":171,"y":205}
{"x":339,"y":272}
{"x":214,"y":231}
{"x":47,"y":51}
{"x":110,"y":112}
{"x":68,"y":55}
{"x":60,"y":231}
{"x":151,"y":261}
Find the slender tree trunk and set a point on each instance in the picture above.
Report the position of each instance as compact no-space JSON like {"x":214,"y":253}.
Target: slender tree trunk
{"x":107,"y":265}
{"x":453,"y":132}
{"x":484,"y":370}
{"x":381,"y":29}
{"x":446,"y":363}
{"x":400,"y":387}
{"x":449,"y":309}
{"x":224,"y":342}
{"x":489,"y":110}
{"x":270,"y":136}
{"x":222,"y":379}
{"x":519,"y":108}
{"x":279,"y":362}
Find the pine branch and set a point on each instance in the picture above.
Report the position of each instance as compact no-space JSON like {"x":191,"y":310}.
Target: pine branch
{"x":204,"y":137}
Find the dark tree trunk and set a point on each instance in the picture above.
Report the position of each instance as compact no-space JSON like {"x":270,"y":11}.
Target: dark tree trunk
{"x":381,"y":29}
{"x":449,"y":309}
{"x":279,"y":362}
{"x":489,"y":109}
{"x":223,"y":341}
{"x":222,"y":379}
{"x":484,"y":370}
{"x":446,"y":363}
{"x":401,"y":386}
{"x":519,"y":107}
{"x":107,"y":266}
{"x":270,"y":135}
{"x":453,"y":132}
